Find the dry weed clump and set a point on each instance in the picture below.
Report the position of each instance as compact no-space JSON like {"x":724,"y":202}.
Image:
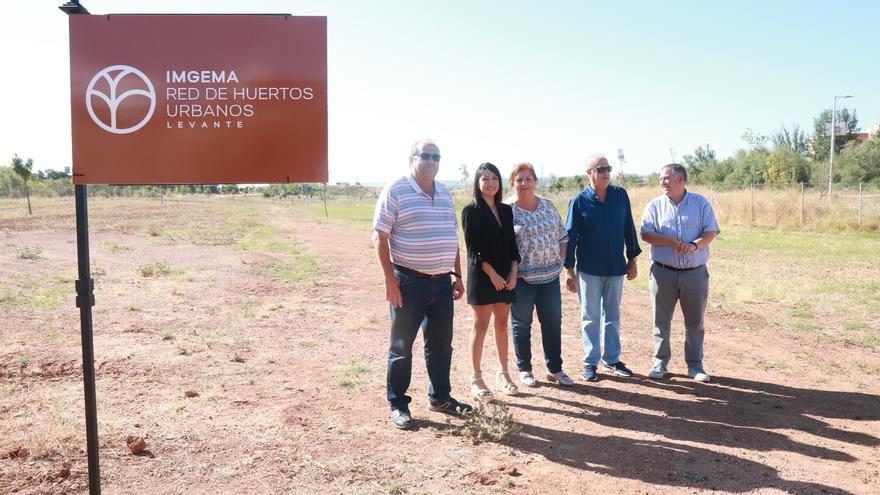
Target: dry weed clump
{"x":28,"y":252}
{"x":157,"y":269}
{"x":491,"y":423}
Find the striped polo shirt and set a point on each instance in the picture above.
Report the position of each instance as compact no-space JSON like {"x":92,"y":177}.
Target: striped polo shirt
{"x":688,"y":220}
{"x":423,"y":231}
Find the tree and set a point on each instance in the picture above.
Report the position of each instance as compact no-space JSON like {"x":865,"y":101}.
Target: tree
{"x":821,"y":141}
{"x":24,"y":170}
{"x":747,"y":168}
{"x":755,"y":140}
{"x":53,"y":174}
{"x":785,"y":168}
{"x":463,"y":175}
{"x":795,"y":140}
{"x":861,"y":163}
{"x":699,"y":163}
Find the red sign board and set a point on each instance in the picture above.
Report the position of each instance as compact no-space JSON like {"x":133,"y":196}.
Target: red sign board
{"x":198,"y":99}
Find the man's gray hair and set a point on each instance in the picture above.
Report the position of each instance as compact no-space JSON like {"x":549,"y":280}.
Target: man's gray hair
{"x":593,"y":160}
{"x":417,"y":146}
{"x":677,"y":169}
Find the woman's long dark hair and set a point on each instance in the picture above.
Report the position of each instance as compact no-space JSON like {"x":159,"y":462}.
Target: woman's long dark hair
{"x":478,"y":196}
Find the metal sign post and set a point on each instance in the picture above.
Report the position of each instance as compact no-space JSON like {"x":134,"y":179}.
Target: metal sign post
{"x":205,"y":113}
{"x":85,"y":299}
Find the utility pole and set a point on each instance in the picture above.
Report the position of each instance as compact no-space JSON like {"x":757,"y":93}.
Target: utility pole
{"x":831,"y":151}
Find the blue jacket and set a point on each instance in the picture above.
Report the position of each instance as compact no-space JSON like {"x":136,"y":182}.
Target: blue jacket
{"x":598,"y":232}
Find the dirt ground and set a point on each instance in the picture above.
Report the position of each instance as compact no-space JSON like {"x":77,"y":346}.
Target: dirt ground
{"x":245,"y":342}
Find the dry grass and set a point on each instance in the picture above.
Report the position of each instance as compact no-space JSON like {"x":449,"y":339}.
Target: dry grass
{"x":770,"y":208}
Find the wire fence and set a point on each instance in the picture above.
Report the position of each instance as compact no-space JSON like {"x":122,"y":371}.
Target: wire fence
{"x":805,"y":206}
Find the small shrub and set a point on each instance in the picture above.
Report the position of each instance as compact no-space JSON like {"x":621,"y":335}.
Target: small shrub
{"x":236,"y":358}
{"x":166,"y":335}
{"x":157,"y":269}
{"x":394,"y":488}
{"x":479,"y":426}
{"x":347,"y":383}
{"x":28,"y":252}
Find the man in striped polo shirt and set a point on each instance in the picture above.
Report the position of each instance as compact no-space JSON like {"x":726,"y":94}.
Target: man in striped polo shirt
{"x":416,"y":234}
{"x":679,"y":225}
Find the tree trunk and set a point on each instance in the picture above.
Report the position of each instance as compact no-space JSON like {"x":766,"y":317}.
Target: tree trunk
{"x":27,"y":194}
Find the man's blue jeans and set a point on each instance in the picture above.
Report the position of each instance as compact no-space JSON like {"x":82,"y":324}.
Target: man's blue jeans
{"x":547,"y":299}
{"x":428,"y":300}
{"x":600,"y":303}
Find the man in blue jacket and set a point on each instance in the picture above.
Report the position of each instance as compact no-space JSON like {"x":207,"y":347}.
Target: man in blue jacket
{"x":600,"y":232}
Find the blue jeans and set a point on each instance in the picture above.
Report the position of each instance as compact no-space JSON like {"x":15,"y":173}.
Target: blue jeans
{"x":600,"y":302}
{"x":429,"y":301}
{"x":547,"y":299}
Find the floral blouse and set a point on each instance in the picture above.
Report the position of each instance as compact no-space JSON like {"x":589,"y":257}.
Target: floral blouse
{"x":538,"y":236}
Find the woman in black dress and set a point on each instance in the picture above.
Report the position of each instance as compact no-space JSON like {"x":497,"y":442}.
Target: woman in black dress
{"x":492,"y":269}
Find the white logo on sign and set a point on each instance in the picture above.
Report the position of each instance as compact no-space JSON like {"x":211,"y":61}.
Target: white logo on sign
{"x":113,"y":100}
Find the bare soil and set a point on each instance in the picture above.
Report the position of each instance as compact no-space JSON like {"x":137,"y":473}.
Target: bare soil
{"x":252,"y":368}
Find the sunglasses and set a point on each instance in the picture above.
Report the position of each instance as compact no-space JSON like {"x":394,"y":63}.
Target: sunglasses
{"x":428,"y":156}
{"x":602,"y":170}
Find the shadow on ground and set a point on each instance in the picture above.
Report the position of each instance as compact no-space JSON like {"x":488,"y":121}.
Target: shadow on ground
{"x":732,"y":413}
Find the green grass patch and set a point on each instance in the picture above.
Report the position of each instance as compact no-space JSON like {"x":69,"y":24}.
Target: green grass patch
{"x":868,"y":368}
{"x":113,"y":247}
{"x":352,"y":374}
{"x":359,"y":213}
{"x":865,"y":341}
{"x":301,"y":268}
{"x":348,"y":383}
{"x":803,"y":326}
{"x":770,"y":244}
{"x":357,"y":368}
{"x":855,"y":325}
{"x":801,"y":313}
{"x":29,"y":293}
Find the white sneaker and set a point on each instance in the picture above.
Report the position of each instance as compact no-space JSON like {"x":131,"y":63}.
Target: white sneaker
{"x":527,"y":379}
{"x":657,"y":372}
{"x":560,"y":379}
{"x":699,"y":375}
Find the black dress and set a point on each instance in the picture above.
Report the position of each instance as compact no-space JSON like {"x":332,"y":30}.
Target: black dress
{"x":490,"y":242}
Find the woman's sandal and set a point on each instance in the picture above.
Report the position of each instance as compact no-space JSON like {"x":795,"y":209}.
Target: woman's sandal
{"x":505,"y":384}
{"x":479,"y":388}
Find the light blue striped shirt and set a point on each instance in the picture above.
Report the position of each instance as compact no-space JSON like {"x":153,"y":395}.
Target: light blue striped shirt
{"x":687,"y":221}
{"x":423,"y":231}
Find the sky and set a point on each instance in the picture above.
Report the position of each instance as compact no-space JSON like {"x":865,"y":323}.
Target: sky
{"x":510,"y":81}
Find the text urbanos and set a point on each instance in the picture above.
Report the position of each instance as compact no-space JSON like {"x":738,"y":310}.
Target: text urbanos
{"x":212,"y":99}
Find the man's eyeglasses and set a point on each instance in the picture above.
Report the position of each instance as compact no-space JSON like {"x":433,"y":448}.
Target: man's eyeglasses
{"x":428,"y":156}
{"x":602,"y":170}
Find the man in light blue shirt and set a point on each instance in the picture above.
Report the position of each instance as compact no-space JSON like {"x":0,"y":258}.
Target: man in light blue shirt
{"x":679,"y":225}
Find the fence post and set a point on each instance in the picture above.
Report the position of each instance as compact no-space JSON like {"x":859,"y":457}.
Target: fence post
{"x":860,"y":206}
{"x":752,"y":204}
{"x":802,"y":204}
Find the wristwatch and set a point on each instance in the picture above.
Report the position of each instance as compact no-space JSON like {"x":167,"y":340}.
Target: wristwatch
{"x":695,"y":244}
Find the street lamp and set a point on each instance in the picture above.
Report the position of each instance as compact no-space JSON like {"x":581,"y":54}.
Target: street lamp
{"x":831,"y":153}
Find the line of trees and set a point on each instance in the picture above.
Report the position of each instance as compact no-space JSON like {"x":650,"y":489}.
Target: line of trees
{"x":790,"y":156}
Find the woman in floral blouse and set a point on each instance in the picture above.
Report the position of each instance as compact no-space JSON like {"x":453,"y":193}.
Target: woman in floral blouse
{"x":541,"y":239}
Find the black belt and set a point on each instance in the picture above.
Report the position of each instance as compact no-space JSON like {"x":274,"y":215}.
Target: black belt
{"x":418,"y":274}
{"x":678,"y":269}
